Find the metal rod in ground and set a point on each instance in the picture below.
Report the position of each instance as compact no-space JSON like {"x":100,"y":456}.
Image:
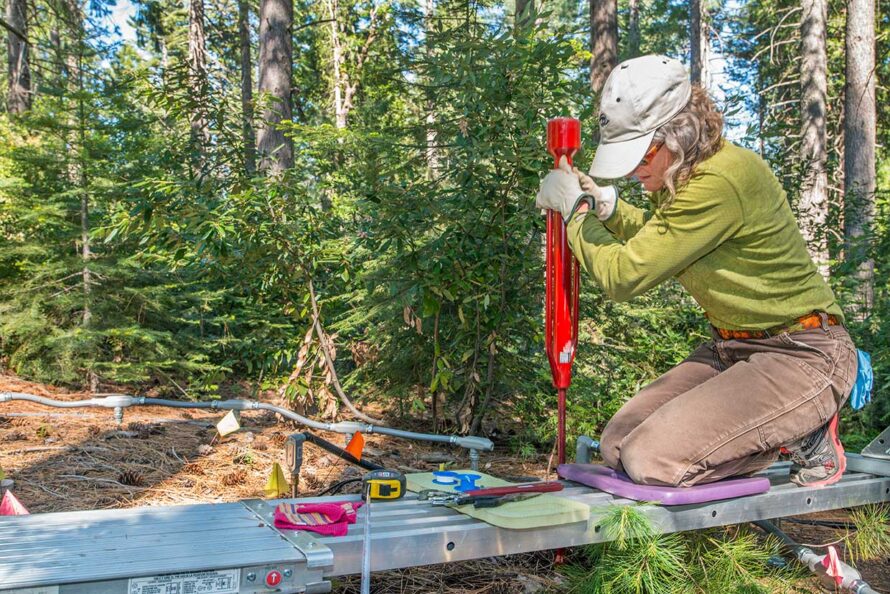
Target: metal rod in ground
{"x":561,"y":427}
{"x":560,"y":556}
{"x":366,"y":544}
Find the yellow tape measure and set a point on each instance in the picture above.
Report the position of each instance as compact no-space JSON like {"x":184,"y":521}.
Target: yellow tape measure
{"x":383,"y":484}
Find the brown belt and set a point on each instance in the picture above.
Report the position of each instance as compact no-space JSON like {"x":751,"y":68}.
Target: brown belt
{"x":807,"y":322}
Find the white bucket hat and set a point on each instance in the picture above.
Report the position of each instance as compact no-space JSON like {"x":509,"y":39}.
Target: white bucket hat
{"x":640,"y":95}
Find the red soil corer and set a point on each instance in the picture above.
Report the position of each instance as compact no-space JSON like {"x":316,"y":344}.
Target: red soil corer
{"x":562,"y":279}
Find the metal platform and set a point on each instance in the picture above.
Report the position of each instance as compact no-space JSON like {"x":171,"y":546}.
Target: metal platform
{"x":232,"y":548}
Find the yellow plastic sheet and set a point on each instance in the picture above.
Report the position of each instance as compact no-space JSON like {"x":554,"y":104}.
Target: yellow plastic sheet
{"x":543,"y":510}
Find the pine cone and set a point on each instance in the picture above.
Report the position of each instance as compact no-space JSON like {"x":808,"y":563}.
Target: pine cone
{"x":193,"y":468}
{"x":131,"y":478}
{"x":232,"y":479}
{"x":145,"y":430}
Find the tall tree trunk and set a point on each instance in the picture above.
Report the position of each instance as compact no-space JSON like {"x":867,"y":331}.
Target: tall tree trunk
{"x":859,"y":147}
{"x":19,"y":96}
{"x":432,"y":152}
{"x":633,"y":29}
{"x":78,"y":177}
{"x":345,"y":87}
{"x":338,"y":60}
{"x":761,"y":114}
{"x":522,"y":14}
{"x":276,"y":151}
{"x":813,"y":206}
{"x":247,"y":135}
{"x":197,"y":60}
{"x":74,"y":140}
{"x":603,"y":41}
{"x":76,"y":150}
{"x":698,"y":43}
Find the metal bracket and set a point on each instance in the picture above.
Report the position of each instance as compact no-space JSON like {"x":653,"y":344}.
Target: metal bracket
{"x":585,"y":446}
{"x":879,"y":447}
{"x":319,"y":558}
{"x":876,"y":466}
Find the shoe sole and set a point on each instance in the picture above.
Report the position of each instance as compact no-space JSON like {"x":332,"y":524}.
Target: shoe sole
{"x":839,"y":451}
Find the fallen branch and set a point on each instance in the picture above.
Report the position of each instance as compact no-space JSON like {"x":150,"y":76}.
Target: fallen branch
{"x":92,"y":416}
{"x":39,"y":414}
{"x":103,"y":480}
{"x":329,"y":360}
{"x":40,"y":449}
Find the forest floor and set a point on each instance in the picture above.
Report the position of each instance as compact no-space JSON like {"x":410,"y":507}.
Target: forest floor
{"x":77,"y":460}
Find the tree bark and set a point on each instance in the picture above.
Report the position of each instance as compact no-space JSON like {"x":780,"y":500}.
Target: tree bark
{"x":248,"y":138}
{"x":432,"y":152}
{"x":633,"y":29}
{"x":75,"y":140}
{"x":813,"y":206}
{"x":698,"y":44}
{"x":197,"y":60}
{"x":276,"y":151}
{"x":345,"y":87}
{"x":859,"y":148}
{"x":19,"y":96}
{"x":603,"y":41}
{"x":338,"y":60}
{"x":523,"y":12}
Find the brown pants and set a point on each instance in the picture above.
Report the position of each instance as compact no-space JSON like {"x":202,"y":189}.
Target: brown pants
{"x":727,"y":408}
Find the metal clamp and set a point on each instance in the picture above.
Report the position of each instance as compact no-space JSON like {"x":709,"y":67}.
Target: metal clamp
{"x":879,"y":447}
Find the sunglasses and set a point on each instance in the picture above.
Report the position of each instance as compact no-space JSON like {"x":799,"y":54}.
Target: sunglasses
{"x":650,"y":154}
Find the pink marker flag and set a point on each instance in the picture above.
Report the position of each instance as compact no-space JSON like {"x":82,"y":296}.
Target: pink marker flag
{"x":832,"y":565}
{"x":10,"y":506}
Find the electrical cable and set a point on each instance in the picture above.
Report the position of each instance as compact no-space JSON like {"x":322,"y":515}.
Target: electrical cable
{"x":335,"y":488}
{"x":340,"y":452}
{"x":822,"y":523}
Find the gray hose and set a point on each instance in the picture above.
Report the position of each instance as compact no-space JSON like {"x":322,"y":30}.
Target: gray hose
{"x":852,"y":580}
{"x":121,"y":401}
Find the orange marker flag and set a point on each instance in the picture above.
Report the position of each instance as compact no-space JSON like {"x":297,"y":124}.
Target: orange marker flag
{"x":10,"y":506}
{"x":356,"y":445}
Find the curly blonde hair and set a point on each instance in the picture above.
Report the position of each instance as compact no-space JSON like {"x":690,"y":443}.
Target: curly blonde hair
{"x":692,"y":136}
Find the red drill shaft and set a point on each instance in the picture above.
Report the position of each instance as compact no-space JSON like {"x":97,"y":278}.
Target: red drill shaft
{"x":562,"y":280}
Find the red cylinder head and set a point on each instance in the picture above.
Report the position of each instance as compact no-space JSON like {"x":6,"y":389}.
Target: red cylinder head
{"x":563,"y":138}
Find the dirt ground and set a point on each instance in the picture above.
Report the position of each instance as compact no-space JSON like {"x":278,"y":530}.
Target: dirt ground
{"x":67,"y":460}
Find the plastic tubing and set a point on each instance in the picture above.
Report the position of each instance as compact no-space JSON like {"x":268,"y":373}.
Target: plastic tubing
{"x":121,"y":401}
{"x":851,"y":580}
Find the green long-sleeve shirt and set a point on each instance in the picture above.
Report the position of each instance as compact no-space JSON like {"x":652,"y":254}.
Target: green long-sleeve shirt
{"x":729,"y":237}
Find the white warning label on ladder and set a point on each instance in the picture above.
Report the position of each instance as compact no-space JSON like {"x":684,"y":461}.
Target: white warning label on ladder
{"x":225,"y":581}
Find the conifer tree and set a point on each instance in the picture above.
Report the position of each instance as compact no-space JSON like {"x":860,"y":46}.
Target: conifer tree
{"x":18,"y":97}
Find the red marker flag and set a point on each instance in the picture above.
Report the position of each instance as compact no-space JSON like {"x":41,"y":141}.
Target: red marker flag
{"x":10,"y":506}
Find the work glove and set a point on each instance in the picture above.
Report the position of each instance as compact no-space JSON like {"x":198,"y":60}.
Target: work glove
{"x":564,"y":189}
{"x":604,"y":198}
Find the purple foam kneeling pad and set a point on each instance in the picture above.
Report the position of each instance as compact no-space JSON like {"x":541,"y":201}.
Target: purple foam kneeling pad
{"x":618,"y":483}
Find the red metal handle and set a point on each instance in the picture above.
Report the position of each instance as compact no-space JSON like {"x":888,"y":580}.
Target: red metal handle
{"x":562,"y":280}
{"x":563,"y":138}
{"x":548,"y":487}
